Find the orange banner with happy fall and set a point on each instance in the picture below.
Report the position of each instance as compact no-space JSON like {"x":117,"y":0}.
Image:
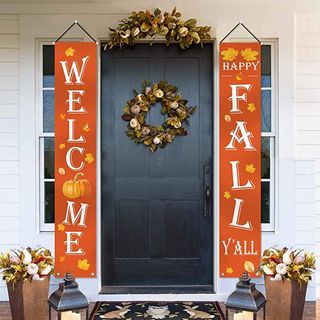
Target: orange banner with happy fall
{"x":240,"y":158}
{"x":75,"y":158}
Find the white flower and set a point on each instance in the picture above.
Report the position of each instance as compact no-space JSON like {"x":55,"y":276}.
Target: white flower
{"x":268,"y":271}
{"x":174,"y":104}
{"x":282,"y":268}
{"x":46,"y":271}
{"x":277,"y":277}
{"x":147,"y":90}
{"x":36,"y":277}
{"x":135,"y":109}
{"x":163,"y":30}
{"x":156,"y":140}
{"x":134,"y":123}
{"x":298,"y":260}
{"x":159,"y":93}
{"x":135,"y":31}
{"x":139,"y":97}
{"x":183,"y":31}
{"x":195,"y":35}
{"x":15,"y":260}
{"x":287,"y":257}
{"x":125,"y":34}
{"x":27,"y":257}
{"x":32,"y":268}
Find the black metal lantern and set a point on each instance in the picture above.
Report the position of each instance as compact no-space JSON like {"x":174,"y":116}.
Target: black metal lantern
{"x":246,"y":300}
{"x":68,"y":300}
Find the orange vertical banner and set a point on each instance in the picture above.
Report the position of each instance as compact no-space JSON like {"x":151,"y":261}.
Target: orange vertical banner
{"x":240,"y":158}
{"x":75,"y":158}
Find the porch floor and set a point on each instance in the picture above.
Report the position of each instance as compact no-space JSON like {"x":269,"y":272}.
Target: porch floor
{"x":310,"y":312}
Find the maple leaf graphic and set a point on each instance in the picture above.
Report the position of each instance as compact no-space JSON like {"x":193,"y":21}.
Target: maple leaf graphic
{"x":61,"y":227}
{"x":69,"y":52}
{"x":249,"y":54}
{"x":89,"y":158}
{"x":251,"y":107}
{"x":83,"y":264}
{"x":229,"y":270}
{"x":230,"y":54}
{"x":62,"y":116}
{"x":62,"y":258}
{"x":227,"y":195}
{"x":62,"y":146}
{"x":250,"y":168}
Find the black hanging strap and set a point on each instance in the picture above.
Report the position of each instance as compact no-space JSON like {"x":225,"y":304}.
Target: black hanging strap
{"x":79,"y":25}
{"x":235,"y":27}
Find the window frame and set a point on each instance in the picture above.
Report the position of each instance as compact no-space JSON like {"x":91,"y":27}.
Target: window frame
{"x":273,"y":136}
{"x":41,"y":135}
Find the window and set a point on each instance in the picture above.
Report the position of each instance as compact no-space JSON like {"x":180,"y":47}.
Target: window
{"x":46,"y":135}
{"x":268,"y":135}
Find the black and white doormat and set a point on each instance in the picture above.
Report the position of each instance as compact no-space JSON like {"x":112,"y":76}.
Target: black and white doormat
{"x":157,"y":310}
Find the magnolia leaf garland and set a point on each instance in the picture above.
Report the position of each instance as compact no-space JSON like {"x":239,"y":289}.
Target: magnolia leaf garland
{"x":141,"y":25}
{"x":172,"y":104}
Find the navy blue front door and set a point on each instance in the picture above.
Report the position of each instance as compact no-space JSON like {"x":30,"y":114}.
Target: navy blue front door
{"x":157,"y":224}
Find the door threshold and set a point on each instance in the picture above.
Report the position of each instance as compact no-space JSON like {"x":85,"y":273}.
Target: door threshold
{"x":157,"y":289}
{"x":165,"y":297}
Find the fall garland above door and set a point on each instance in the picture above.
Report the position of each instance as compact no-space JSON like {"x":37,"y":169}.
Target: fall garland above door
{"x":144,"y":24}
{"x":147,"y":25}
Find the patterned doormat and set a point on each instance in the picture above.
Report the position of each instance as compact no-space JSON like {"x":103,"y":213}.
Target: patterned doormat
{"x":157,"y":310}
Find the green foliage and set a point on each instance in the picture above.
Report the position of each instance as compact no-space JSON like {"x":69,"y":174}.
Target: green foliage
{"x":147,"y":25}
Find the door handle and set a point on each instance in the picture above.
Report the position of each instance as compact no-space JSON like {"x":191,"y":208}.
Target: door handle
{"x":207,"y":190}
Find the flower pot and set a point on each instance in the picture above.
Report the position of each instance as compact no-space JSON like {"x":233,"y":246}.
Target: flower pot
{"x":285,"y":299}
{"x":28,"y":299}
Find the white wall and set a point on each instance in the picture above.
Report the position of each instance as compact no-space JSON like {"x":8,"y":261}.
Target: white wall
{"x":297,"y":106}
{"x":9,"y":135}
{"x":307,"y":133}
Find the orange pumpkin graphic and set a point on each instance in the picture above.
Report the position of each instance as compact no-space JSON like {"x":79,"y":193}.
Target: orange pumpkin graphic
{"x":76,"y":188}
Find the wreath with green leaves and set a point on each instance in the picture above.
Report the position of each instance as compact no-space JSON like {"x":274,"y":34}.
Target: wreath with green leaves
{"x":173,"y":105}
{"x":144,"y":24}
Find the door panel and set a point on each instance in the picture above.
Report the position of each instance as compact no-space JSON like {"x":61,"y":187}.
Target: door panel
{"x":154,"y":230}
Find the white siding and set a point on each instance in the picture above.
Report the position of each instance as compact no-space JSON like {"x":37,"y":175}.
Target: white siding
{"x":317,"y":209}
{"x":9,"y":136}
{"x":307,"y":135}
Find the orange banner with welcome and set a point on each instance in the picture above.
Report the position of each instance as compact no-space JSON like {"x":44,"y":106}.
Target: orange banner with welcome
{"x":240,"y":158}
{"x":75,"y":159}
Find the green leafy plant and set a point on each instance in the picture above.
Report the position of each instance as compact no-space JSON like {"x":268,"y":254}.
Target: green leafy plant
{"x":144,"y":24}
{"x":293,"y":265}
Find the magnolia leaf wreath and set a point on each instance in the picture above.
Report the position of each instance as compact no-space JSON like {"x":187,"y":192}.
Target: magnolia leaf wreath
{"x":172,"y":104}
{"x":143,"y":24}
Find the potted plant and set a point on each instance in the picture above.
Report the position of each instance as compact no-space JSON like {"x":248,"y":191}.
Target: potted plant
{"x":287,"y":273}
{"x":27,"y":275}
